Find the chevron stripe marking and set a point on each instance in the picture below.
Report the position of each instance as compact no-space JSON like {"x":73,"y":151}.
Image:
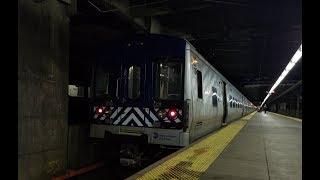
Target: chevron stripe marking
{"x":141,"y":114}
{"x":134,"y":118}
{"x":115,"y":112}
{"x":153,"y":116}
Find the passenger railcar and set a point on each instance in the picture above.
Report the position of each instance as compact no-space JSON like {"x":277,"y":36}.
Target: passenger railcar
{"x":160,"y":88}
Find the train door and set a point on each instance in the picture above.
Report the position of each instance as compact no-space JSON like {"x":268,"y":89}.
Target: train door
{"x":225,"y":103}
{"x":133,"y":99}
{"x":133,"y":84}
{"x":197,"y":100}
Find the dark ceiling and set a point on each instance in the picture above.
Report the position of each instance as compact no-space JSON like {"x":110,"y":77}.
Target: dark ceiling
{"x":250,"y":42}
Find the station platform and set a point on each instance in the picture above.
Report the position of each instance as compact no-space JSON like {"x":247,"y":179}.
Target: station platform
{"x":258,"y":146}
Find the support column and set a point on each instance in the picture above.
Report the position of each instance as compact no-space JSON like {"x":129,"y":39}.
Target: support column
{"x":43,"y":49}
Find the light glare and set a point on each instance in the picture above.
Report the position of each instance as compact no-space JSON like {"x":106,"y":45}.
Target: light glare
{"x":296,"y":57}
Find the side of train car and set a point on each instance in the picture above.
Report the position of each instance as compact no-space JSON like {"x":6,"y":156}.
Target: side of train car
{"x":161,"y":88}
{"x":213,"y":100}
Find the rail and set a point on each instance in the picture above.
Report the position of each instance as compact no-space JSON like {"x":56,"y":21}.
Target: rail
{"x":72,"y":173}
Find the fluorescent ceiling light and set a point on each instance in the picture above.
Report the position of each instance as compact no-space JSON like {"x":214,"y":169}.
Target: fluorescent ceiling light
{"x":296,"y":57}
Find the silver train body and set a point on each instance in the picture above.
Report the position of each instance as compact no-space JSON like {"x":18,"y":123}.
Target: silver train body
{"x":219,"y":103}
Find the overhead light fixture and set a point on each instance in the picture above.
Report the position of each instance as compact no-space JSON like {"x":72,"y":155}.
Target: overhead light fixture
{"x":296,"y":57}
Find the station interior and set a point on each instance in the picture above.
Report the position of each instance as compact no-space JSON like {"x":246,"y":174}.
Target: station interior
{"x":235,"y":108}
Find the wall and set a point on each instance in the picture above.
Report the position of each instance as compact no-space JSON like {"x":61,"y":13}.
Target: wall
{"x":289,"y":104}
{"x":43,"y":53}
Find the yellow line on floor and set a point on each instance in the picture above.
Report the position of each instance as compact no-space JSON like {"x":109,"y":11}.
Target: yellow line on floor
{"x":193,"y":161}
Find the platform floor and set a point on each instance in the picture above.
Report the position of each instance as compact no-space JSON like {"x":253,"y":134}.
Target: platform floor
{"x":258,"y":146}
{"x":268,"y":147}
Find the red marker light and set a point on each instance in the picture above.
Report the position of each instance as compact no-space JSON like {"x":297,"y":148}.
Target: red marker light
{"x":100,"y":110}
{"x":172,"y":114}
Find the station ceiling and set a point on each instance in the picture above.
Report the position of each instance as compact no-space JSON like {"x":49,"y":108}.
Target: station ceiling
{"x":250,"y":42}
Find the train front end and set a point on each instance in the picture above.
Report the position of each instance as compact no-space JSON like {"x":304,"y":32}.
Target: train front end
{"x":138,"y":93}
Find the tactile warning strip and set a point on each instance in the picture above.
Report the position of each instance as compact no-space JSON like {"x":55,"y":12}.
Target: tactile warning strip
{"x":193,"y":161}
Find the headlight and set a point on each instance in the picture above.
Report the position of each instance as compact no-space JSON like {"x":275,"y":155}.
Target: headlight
{"x":162,"y":113}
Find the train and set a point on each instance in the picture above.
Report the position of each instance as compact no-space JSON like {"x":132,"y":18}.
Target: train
{"x":158,"y":88}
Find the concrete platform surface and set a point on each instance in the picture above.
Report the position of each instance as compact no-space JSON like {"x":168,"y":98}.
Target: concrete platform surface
{"x":268,"y":147}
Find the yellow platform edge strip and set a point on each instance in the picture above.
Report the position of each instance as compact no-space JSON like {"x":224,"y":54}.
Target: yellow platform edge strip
{"x":195,"y":160}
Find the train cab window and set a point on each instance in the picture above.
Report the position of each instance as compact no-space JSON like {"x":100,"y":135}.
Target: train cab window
{"x":134,"y":82}
{"x":169,"y":81}
{"x":199,"y":81}
{"x":106,"y":81}
{"x":101,"y":82}
{"x":214,"y":97}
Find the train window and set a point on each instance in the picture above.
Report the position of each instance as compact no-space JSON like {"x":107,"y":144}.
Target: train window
{"x":101,"y":82}
{"x":230,"y":101}
{"x":169,"y":80}
{"x":134,"y":82}
{"x":106,"y":81}
{"x":214,"y":97}
{"x":199,"y":81}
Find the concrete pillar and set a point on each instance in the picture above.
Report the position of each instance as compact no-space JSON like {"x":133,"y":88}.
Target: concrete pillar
{"x":43,"y":42}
